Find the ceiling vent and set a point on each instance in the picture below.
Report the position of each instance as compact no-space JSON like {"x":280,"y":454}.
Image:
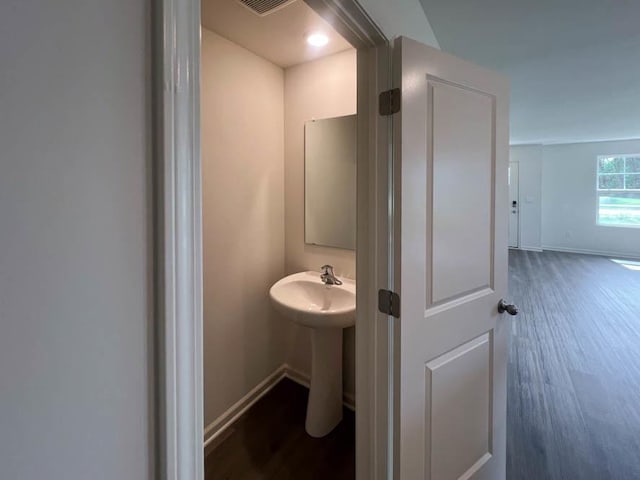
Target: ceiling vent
{"x":265,"y":7}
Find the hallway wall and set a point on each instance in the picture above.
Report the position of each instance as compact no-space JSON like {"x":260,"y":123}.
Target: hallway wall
{"x":77,"y":324}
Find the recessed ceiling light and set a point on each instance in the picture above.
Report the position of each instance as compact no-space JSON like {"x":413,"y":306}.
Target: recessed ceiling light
{"x":317,"y":39}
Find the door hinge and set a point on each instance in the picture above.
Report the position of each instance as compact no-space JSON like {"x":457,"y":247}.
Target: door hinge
{"x":389,"y":102}
{"x":389,"y":303}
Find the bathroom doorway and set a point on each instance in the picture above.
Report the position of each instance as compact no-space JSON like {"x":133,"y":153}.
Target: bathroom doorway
{"x":281,"y":133}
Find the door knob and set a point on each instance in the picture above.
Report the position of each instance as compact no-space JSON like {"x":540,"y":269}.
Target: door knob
{"x":507,"y":307}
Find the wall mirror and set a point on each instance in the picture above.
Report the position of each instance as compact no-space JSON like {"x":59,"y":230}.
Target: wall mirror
{"x":330,"y":182}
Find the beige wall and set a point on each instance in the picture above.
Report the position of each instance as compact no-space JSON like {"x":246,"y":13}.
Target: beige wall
{"x":243,"y":220}
{"x":320,"y":89}
{"x":76,"y":314}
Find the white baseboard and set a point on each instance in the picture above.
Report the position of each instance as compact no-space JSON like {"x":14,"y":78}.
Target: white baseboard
{"x":590,"y":252}
{"x":215,"y":428}
{"x":531,"y":249}
{"x":220,"y":424}
{"x":348,"y":399}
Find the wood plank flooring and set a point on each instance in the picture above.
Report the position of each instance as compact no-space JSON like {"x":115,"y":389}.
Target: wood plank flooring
{"x":574,"y":368}
{"x":269,"y":442}
{"x":573,"y":399}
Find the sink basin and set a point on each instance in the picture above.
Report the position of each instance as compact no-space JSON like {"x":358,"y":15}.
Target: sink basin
{"x":326,"y":310}
{"x":303,"y":298}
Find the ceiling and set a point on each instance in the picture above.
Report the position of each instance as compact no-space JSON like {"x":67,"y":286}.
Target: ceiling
{"x":574,"y":65}
{"x":279,"y":37}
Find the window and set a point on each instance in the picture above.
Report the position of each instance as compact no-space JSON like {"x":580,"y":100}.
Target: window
{"x":619,"y":190}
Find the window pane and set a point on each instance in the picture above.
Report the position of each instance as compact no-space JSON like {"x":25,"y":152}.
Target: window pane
{"x":611,"y":165}
{"x":606,"y":182}
{"x":621,"y":209}
{"x":632,"y":181}
{"x":633,"y":165}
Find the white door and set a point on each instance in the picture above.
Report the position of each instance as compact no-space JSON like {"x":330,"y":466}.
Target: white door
{"x":514,"y":206}
{"x":451,"y":160}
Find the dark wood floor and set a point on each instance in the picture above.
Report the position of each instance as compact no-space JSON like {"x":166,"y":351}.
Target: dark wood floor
{"x":574,"y":387}
{"x":269,"y":442}
{"x":574,"y":369}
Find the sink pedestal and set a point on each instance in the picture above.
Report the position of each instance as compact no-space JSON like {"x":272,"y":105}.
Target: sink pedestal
{"x":324,"y":409}
{"x":326,"y":310}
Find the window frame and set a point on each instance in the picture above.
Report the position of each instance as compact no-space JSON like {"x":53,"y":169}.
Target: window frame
{"x":604,"y":191}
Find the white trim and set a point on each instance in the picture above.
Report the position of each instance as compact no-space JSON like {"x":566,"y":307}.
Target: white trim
{"x":297,"y":376}
{"x":617,"y":225}
{"x":179,"y":250}
{"x":224,"y":421}
{"x":301,"y":378}
{"x":530,"y":249}
{"x":572,"y":141}
{"x":374,"y":262}
{"x":180,"y":455}
{"x":220,"y":424}
{"x":374,"y":250}
{"x":583,"y":251}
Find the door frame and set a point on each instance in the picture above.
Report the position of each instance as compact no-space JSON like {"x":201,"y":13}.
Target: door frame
{"x":178,"y":359}
{"x":515,"y":162}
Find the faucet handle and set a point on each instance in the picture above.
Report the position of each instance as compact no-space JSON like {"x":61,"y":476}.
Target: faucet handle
{"x":327,"y":269}
{"x":328,"y":277}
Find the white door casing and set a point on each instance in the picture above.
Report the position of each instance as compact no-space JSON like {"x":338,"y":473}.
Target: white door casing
{"x":514,"y":205}
{"x":451,"y":159}
{"x":179,"y":431}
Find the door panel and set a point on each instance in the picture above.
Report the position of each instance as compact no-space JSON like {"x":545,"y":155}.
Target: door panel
{"x":460,"y":424}
{"x":462,"y":188}
{"x":451,"y":147}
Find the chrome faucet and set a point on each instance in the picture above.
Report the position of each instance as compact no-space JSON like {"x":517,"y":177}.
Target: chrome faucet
{"x":327,"y":277}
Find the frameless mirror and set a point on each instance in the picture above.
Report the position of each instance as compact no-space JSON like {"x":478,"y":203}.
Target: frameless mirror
{"x":330,"y":182}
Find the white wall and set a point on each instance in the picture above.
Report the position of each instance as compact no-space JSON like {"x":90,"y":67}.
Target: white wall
{"x":75,"y":240}
{"x":75,"y":262}
{"x":529,"y":160}
{"x":401,"y":17}
{"x":243,"y":220}
{"x":320,"y":89}
{"x":569,"y":200}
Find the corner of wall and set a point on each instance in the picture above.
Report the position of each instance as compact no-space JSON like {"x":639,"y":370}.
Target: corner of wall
{"x":402,"y":17}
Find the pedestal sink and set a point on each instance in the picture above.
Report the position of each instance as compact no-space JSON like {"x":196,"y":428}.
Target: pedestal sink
{"x":326,"y":309}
